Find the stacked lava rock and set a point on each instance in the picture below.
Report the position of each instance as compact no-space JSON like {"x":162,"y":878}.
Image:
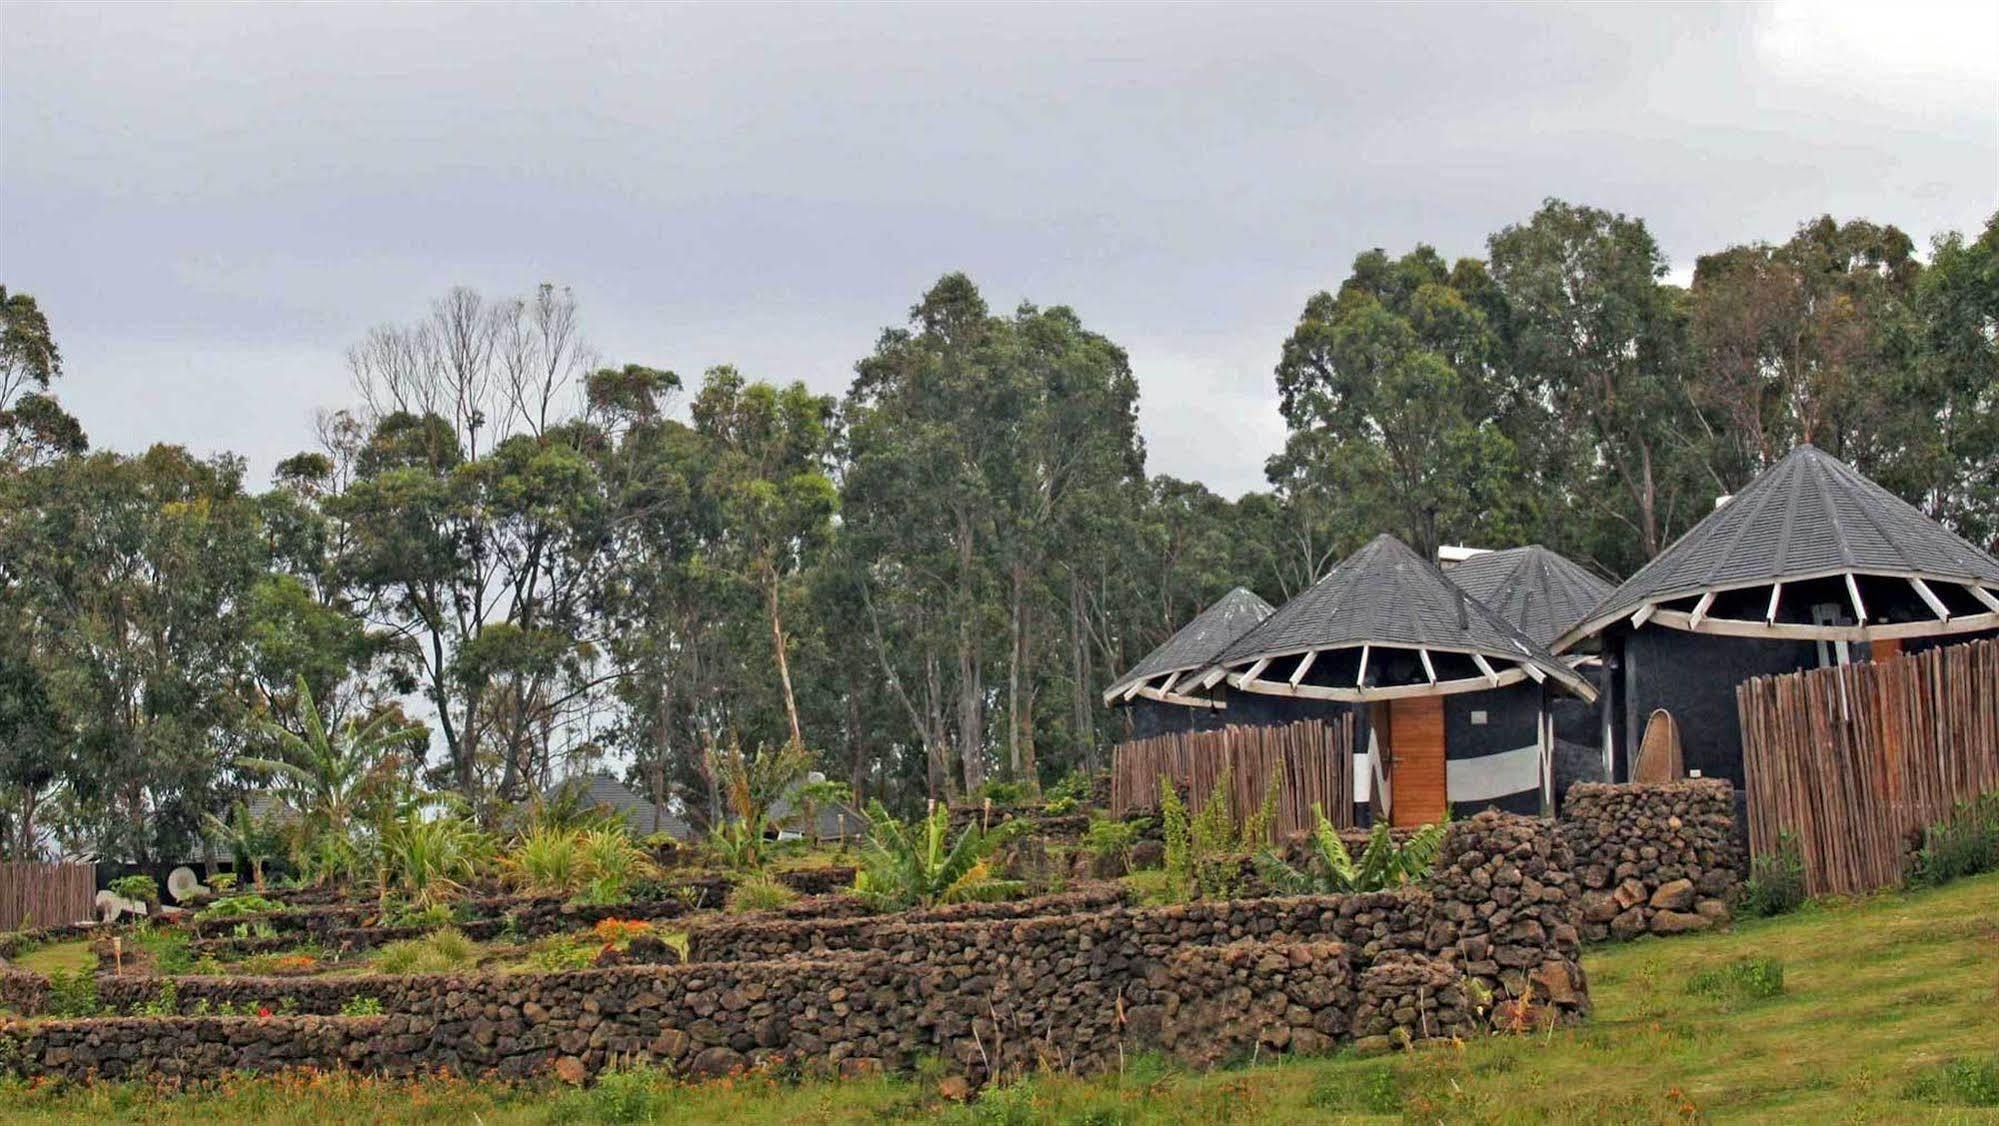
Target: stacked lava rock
{"x":1222,"y":1003}
{"x":1653,"y":859}
{"x":1409,"y":997}
{"x":1507,"y":905}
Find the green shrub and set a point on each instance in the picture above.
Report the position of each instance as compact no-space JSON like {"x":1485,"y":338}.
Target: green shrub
{"x":73,"y":993}
{"x":904,"y":866}
{"x":441,"y":951}
{"x":1361,"y":1089}
{"x":171,"y":949}
{"x":621,"y":1095}
{"x":435,"y":915}
{"x":1073,"y":786}
{"x":1965,"y":843}
{"x":362,"y":1007}
{"x":759,"y":893}
{"x":165,"y":1002}
{"x":1107,"y":838}
{"x":560,"y":953}
{"x":136,"y":887}
{"x":1751,"y":979}
{"x":1958,"y":1082}
{"x":231,"y":906}
{"x":1776,"y":883}
{"x":1332,"y":870}
{"x":1002,"y":793}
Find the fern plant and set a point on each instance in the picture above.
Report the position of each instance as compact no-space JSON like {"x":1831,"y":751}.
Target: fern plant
{"x":917,"y":865}
{"x":1333,"y":870}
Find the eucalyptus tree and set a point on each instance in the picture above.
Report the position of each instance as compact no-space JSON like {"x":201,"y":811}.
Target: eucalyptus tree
{"x":1602,"y":338}
{"x":1958,"y":300}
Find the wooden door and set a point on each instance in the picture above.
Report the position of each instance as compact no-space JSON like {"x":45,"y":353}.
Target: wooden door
{"x":1417,"y":783}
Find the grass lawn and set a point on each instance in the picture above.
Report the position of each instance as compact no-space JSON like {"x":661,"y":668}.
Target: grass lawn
{"x":1888,"y":1011}
{"x":64,"y":957}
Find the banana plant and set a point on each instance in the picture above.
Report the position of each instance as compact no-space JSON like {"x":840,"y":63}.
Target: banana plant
{"x":1332,"y":870}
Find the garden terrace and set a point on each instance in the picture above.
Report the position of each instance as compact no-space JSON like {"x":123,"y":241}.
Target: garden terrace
{"x":987,"y":995}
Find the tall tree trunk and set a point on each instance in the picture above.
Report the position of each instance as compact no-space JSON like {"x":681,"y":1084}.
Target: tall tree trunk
{"x":783,"y":665}
{"x":971,"y":719}
{"x":1083,"y":722}
{"x":1015,"y":767}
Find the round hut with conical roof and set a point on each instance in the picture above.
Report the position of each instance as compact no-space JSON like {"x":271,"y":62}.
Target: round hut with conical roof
{"x":1152,"y":693}
{"x":1811,"y":564}
{"x":1449,"y":693}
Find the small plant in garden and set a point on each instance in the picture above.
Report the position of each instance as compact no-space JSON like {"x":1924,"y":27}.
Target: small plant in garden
{"x":361,"y":1007}
{"x":1108,"y":838}
{"x":1776,"y":883}
{"x":222,"y":883}
{"x":258,"y":929}
{"x":904,"y":866}
{"x":759,"y":893}
{"x":165,"y":1002}
{"x":751,"y":784}
{"x":561,"y":952}
{"x":435,"y":915}
{"x":440,"y":951}
{"x":1965,"y":843}
{"x":140,"y":887}
{"x":169,"y":947}
{"x":426,"y":860}
{"x":232,"y":906}
{"x":1332,"y":869}
{"x":73,"y":993}
{"x":620,"y":932}
{"x":817,"y":794}
{"x":250,"y":842}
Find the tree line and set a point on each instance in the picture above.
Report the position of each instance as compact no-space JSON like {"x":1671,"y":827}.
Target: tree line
{"x":556,"y":563}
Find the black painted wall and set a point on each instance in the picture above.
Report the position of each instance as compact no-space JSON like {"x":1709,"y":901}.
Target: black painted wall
{"x":1693,"y":676}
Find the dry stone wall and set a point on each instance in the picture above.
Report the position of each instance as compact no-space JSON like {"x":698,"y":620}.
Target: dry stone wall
{"x":1653,"y":859}
{"x":988,"y":994}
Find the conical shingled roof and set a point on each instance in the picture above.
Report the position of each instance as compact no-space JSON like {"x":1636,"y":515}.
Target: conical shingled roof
{"x":1541,"y":592}
{"x":1809,"y":515}
{"x":1196,"y":644}
{"x":1387,"y":595}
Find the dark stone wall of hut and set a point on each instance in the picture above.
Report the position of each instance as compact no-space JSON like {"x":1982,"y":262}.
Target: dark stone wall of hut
{"x":1512,"y":720}
{"x":1693,"y":676}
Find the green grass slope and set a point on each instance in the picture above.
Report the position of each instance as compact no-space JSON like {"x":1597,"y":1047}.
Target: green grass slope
{"x":1886,"y":1009}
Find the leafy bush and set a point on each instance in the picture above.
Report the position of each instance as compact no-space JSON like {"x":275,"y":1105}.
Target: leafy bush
{"x":1107,"y":837}
{"x":1960,"y":1082}
{"x":613,"y":861}
{"x":1332,"y":870}
{"x":171,"y":949}
{"x":140,"y":887}
{"x":1751,"y":979}
{"x":1776,"y":883}
{"x":904,"y":866}
{"x":73,"y":993}
{"x":1073,"y":787}
{"x":759,"y":893}
{"x":547,"y":861}
{"x":751,"y":785}
{"x":440,"y":951}
{"x":1002,"y":793}
{"x":424,"y":861}
{"x":622,"y":1094}
{"x":165,"y":1002}
{"x":738,"y":845}
{"x":561,"y":952}
{"x":1202,"y":852}
{"x":231,"y":906}
{"x":362,"y":1007}
{"x":1965,"y":843}
{"x":435,"y":915}
{"x":1059,"y":807}
{"x":620,"y":932}
{"x":222,"y":882}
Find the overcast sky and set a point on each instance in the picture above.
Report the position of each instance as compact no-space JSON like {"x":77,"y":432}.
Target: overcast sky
{"x":213,"y":203}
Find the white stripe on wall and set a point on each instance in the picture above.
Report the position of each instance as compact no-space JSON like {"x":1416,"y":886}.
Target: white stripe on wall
{"x":1494,"y":776}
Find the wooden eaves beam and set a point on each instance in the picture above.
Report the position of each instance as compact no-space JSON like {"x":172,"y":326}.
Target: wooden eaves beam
{"x":1929,"y":596}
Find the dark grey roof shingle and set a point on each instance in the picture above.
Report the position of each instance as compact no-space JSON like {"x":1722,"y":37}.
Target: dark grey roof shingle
{"x":602,"y":791}
{"x":1200,"y":641}
{"x":1540,"y":591}
{"x":1809,"y":514}
{"x":1386,"y":594}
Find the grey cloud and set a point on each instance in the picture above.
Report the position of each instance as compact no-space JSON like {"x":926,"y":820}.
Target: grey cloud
{"x":212,"y":202}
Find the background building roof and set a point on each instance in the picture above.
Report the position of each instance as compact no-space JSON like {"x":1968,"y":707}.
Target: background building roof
{"x":1197,"y":644}
{"x":1541,"y":592}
